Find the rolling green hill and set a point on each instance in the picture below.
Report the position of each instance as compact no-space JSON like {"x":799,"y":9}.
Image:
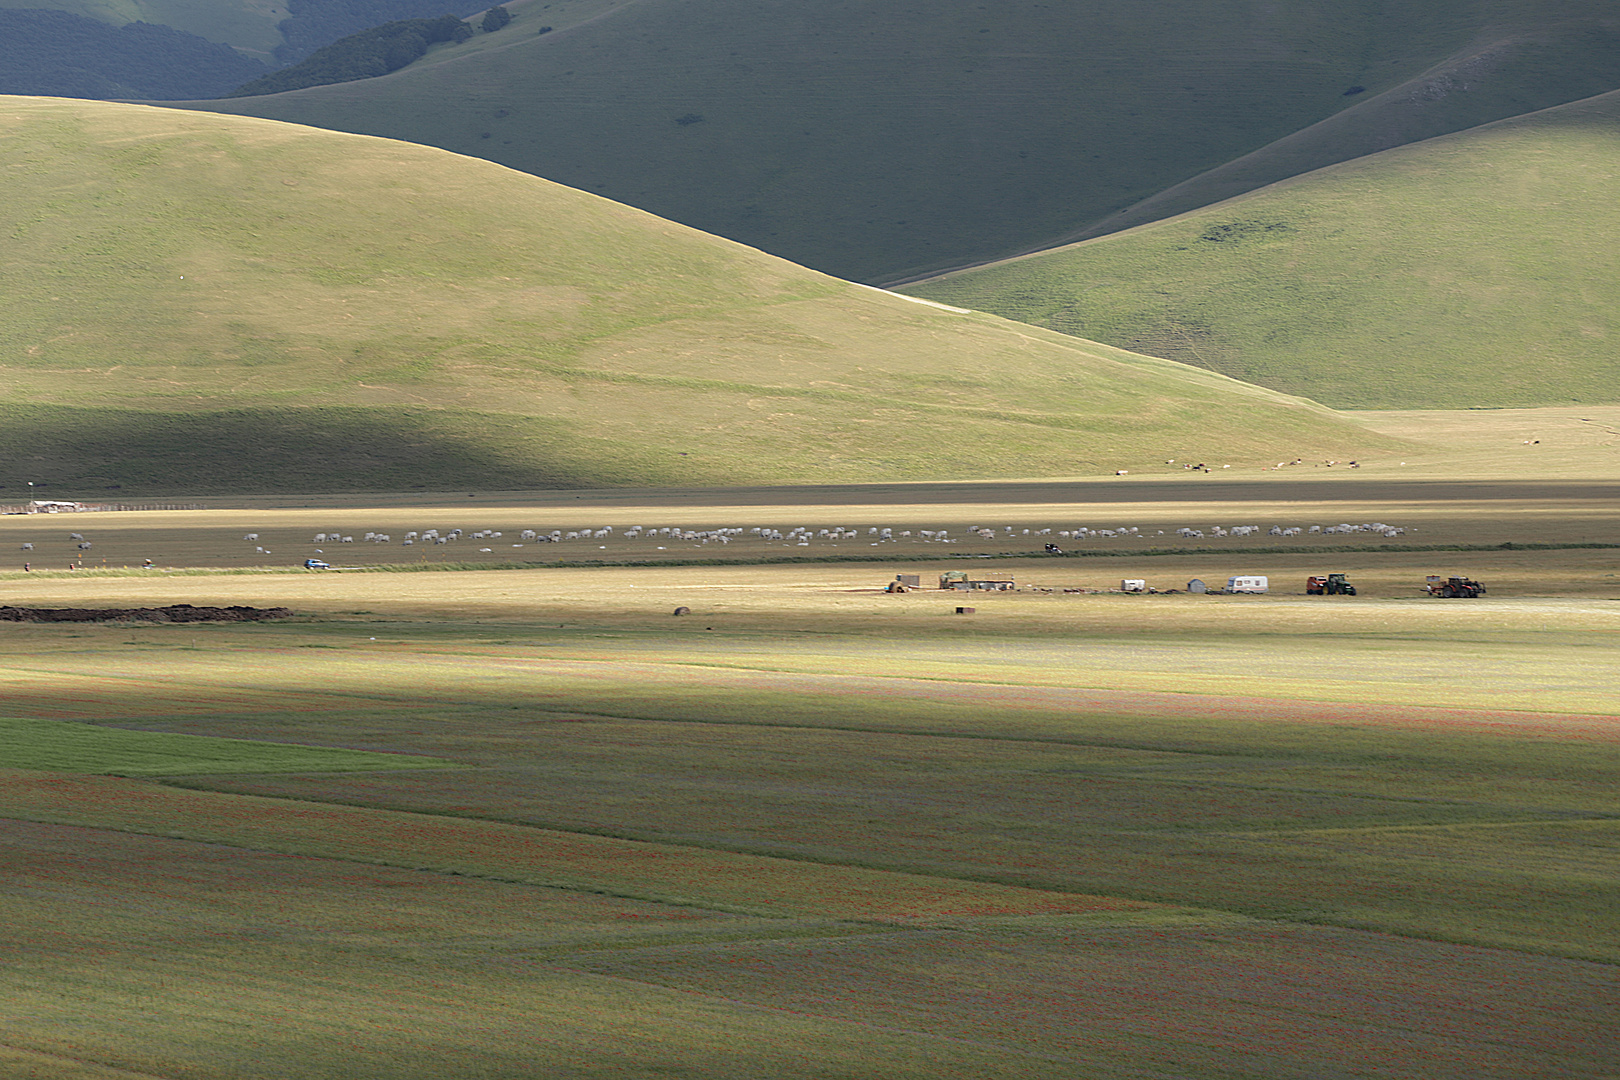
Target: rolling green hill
{"x":58,"y":54}
{"x":883,"y":141}
{"x":272,"y":31}
{"x":202,"y":302}
{"x":250,"y":25}
{"x":1477,"y":269}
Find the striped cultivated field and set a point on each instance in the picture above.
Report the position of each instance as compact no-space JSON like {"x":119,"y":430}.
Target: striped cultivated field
{"x":525,"y":821}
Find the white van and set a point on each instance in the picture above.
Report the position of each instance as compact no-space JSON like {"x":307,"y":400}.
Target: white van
{"x":1246,"y":584}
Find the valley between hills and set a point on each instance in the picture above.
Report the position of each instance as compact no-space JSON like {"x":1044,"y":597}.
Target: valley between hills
{"x":736,"y":540}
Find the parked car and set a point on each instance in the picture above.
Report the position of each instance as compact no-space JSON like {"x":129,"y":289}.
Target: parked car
{"x":316,"y":564}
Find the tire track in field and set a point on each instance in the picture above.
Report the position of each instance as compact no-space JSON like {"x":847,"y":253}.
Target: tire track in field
{"x":632,"y":869}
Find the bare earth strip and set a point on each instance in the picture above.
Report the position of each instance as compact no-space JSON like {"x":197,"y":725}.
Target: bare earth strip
{"x":662,"y":872}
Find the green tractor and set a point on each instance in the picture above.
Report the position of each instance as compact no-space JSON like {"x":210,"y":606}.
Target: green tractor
{"x":1332,"y":585}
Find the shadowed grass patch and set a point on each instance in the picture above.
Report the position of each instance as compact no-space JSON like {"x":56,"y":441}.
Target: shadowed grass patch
{"x":72,"y":747}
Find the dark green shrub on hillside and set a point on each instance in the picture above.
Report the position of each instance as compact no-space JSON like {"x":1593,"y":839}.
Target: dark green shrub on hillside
{"x":362,"y":56}
{"x":495,"y":18}
{"x":403,"y":49}
{"x":311,"y":24}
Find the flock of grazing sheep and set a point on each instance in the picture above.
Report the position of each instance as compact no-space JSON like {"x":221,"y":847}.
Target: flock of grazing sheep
{"x":804,"y":536}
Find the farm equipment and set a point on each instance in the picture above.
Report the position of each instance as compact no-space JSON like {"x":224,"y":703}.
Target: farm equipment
{"x":1451,"y":587}
{"x":1332,"y":585}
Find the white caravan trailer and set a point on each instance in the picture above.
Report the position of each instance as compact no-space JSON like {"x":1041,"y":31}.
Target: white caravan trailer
{"x":1246,"y":584}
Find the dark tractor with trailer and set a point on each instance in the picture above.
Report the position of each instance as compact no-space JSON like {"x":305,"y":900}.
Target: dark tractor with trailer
{"x":1453,"y":587}
{"x":1332,"y":585}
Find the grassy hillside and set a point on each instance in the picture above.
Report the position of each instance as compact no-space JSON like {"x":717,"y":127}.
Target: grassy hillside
{"x":1478,"y":269}
{"x":214,"y":303}
{"x":59,"y":54}
{"x":250,"y":25}
{"x":273,"y":31}
{"x":879,"y":141}
{"x":1518,"y":65}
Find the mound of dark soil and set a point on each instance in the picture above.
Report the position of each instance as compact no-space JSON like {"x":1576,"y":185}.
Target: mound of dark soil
{"x":175,"y":613}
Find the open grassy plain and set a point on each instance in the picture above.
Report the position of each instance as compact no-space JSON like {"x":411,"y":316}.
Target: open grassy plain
{"x":812,"y":829}
{"x":1472,"y":270}
{"x":880,"y":141}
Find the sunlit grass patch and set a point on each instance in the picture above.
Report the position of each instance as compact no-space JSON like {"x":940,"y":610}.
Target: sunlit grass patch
{"x":87,"y":748}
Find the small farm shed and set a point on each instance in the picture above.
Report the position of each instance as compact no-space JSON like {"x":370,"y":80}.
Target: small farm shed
{"x":1197,"y":585}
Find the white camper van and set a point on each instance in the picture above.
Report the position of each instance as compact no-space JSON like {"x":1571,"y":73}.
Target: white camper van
{"x":1246,"y":584}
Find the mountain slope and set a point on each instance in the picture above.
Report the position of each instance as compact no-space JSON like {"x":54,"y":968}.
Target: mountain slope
{"x":249,"y":25}
{"x":65,"y":55}
{"x":207,"y":302}
{"x":272,"y":31}
{"x":880,"y":141}
{"x":1477,"y":269}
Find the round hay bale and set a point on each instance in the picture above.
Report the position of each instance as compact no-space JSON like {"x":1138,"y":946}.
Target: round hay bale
{"x":683,"y":611}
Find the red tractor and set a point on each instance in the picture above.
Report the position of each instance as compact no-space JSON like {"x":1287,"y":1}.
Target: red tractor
{"x":1453,"y":587}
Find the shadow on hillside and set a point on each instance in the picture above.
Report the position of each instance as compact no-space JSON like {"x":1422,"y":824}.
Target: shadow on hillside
{"x":100,"y":453}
